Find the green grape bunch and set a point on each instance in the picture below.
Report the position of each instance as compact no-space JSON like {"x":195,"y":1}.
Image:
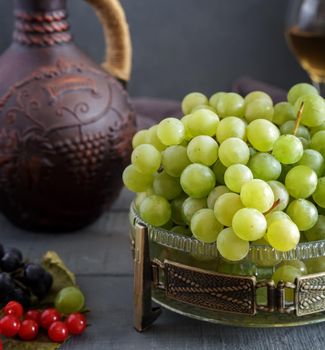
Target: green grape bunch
{"x":236,"y":171}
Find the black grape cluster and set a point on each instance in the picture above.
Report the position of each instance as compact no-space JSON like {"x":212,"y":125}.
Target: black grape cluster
{"x":21,"y":281}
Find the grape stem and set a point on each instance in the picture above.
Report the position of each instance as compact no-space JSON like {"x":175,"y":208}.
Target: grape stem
{"x":298,"y":119}
{"x":275,"y":204}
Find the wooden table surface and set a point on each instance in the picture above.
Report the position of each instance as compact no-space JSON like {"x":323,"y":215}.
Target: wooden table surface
{"x":100,"y":256}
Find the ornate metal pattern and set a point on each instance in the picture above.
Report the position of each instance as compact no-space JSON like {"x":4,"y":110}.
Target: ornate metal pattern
{"x":210,"y":290}
{"x":310,"y":294}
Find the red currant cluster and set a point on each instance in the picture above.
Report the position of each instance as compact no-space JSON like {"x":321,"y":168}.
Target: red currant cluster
{"x":27,"y":326}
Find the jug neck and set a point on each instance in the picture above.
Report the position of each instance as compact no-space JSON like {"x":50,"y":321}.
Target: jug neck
{"x":41,"y":23}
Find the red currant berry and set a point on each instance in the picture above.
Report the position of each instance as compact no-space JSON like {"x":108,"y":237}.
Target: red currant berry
{"x":34,"y":315}
{"x":76,"y":323}
{"x":28,"y":330}
{"x":49,"y":316}
{"x":58,"y":332}
{"x":13,"y":308}
{"x":9,"y":326}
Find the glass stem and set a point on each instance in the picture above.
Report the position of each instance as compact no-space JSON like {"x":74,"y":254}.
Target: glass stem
{"x":320,"y":87}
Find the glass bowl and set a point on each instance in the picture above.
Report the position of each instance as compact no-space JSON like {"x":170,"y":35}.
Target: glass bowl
{"x":260,"y":263}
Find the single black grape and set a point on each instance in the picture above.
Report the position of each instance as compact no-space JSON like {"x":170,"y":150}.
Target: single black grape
{"x":14,"y":251}
{"x":10,"y":262}
{"x":42,"y":287}
{"x":6,"y":284}
{"x":34,"y":273}
{"x":22,"y":296}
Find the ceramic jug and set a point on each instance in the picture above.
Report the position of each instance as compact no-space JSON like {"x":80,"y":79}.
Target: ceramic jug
{"x":65,"y":123}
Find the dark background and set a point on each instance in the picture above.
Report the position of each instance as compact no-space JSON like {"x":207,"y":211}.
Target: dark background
{"x":185,"y":45}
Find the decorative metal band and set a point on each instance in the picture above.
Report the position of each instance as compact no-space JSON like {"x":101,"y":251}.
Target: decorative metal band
{"x":210,"y":290}
{"x":310,"y":294}
{"x":41,"y":29}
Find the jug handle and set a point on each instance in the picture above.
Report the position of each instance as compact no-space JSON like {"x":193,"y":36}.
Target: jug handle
{"x":118,"y":60}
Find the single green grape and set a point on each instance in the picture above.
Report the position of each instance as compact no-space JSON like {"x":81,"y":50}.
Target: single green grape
{"x":262,"y":134}
{"x":288,"y":149}
{"x":136,"y":181}
{"x":185,"y":121}
{"x":257,"y":194}
{"x":241,"y":268}
{"x":69,"y":300}
{"x":265,"y":167}
{"x":313,"y":113}
{"x":236,"y":175}
{"x":197,"y":180}
{"x":140,"y":138}
{"x":155,"y":210}
{"x":230,"y":246}
{"x":275,"y":216}
{"x":146,"y":159}
{"x":301,"y":181}
{"x":177,"y":210}
{"x":298,"y":264}
{"x":318,"y":142}
{"x":317,"y":232}
{"x":203,"y":149}
{"x":171,"y":131}
{"x":299,"y":90}
{"x":317,"y":128}
{"x":166,"y":186}
{"x":286,"y":273}
{"x":192,"y":100}
{"x":289,"y":127}
{"x":231,"y":127}
{"x":140,"y":197}
{"x":204,"y":226}
{"x":213,"y":100}
{"x":258,"y":95}
{"x":283,"y":112}
{"x":280,"y":194}
{"x":154,"y":140}
{"x":219,"y":170}
{"x":315,"y":265}
{"x":190,"y":206}
{"x":204,"y":107}
{"x":230,"y":104}
{"x":233,"y":151}
{"x":182,"y":230}
{"x":226,"y":206}
{"x":319,"y":194}
{"x":215,"y":194}
{"x":259,"y":109}
{"x":175,"y":160}
{"x":303,"y":213}
{"x":202,"y":122}
{"x":313,"y":160}
{"x":283,"y":235}
{"x":249,"y":224}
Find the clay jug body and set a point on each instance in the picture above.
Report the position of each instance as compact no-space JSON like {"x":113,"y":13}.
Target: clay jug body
{"x":65,"y":123}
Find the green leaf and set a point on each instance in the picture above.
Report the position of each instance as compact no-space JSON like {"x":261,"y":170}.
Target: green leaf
{"x":42,"y":343}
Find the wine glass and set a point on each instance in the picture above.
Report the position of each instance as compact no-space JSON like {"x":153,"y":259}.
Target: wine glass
{"x":305,"y":34}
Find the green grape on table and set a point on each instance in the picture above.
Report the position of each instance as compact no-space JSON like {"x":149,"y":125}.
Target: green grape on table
{"x":259,"y":109}
{"x":146,"y":158}
{"x":275,"y":216}
{"x":231,"y":127}
{"x":154,"y":140}
{"x":213,"y":100}
{"x":233,"y":151}
{"x":288,"y":149}
{"x":313,"y":112}
{"x":318,"y":142}
{"x":203,"y":149}
{"x":155,"y":210}
{"x":262,"y":134}
{"x":317,"y":232}
{"x":303,"y":213}
{"x":140,"y":138}
{"x":298,"y":264}
{"x":315,"y":265}
{"x":136,"y":181}
{"x":230,"y":104}
{"x":171,"y":131}
{"x":286,"y":273}
{"x":283,"y":235}
{"x":281,"y":195}
{"x":69,"y":300}
{"x":283,"y":112}
{"x":301,"y":181}
{"x":204,"y":226}
{"x":219,"y":170}
{"x":197,"y":180}
{"x":226,"y":206}
{"x":193,"y":100}
{"x":190,"y":206}
{"x":230,"y":246}
{"x":319,"y":194}
{"x":177,"y":210}
{"x":249,"y":224}
{"x":202,"y":122}
{"x":236,"y":175}
{"x":265,"y":167}
{"x":182,"y":230}
{"x":215,"y":194}
{"x":289,"y":127}
{"x":313,"y":160}
{"x":175,"y":160}
{"x":257,"y":194}
{"x":166,"y":186}
{"x":299,"y":90}
{"x":258,"y":95}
